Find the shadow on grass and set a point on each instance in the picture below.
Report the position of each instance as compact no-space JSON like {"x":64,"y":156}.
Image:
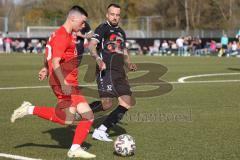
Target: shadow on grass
{"x":117,"y":155}
{"x":234,"y":69}
{"x":63,"y":136}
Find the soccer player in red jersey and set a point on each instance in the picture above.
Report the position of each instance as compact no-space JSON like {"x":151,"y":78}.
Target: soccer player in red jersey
{"x":61,"y":65}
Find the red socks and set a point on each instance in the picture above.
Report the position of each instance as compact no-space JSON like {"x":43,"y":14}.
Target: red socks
{"x":58,"y":116}
{"x":82,"y":131}
{"x":51,"y":114}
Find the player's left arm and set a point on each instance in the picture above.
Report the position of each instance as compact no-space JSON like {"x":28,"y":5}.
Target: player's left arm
{"x":131,"y":66}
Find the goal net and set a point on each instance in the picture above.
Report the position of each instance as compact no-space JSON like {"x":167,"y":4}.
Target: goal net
{"x":40,"y":31}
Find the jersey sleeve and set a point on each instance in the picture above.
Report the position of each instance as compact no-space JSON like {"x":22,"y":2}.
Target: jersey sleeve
{"x":98,"y":34}
{"x":59,"y":46}
{"x":88,"y":29}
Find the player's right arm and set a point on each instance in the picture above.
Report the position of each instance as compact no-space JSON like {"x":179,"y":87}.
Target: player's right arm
{"x":55,"y":54}
{"x":97,"y":37}
{"x":43,"y":73}
{"x":66,"y":88}
{"x":93,"y":53}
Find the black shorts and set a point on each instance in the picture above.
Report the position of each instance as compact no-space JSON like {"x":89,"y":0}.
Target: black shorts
{"x":112,"y":84}
{"x":224,"y":46}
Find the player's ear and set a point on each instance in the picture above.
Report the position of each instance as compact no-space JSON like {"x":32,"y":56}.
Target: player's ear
{"x":70,"y":18}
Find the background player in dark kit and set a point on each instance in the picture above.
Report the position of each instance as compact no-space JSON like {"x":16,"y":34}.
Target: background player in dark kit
{"x":108,"y":48}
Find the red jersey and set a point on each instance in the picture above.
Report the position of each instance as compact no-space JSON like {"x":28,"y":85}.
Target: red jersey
{"x":63,"y":45}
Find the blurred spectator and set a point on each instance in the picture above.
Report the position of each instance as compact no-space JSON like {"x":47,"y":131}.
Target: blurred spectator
{"x":39,"y":47}
{"x":1,"y":43}
{"x":30,"y":47}
{"x":173,"y":47}
{"x":15,"y":46}
{"x":238,"y":35}
{"x":179,"y":43}
{"x":186,"y":45}
{"x":233,"y":50}
{"x":8,"y":41}
{"x":229,"y":49}
{"x":145,"y":50}
{"x":43,"y":46}
{"x":164,"y":47}
{"x":34,"y":43}
{"x":22,"y":46}
{"x":238,"y":48}
{"x":155,"y":48}
{"x":133,"y":47}
{"x":224,"y":43}
{"x":197,"y":43}
{"x":212,"y":47}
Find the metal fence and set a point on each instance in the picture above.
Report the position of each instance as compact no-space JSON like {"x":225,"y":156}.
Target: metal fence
{"x":142,"y":27}
{"x":141,"y":34}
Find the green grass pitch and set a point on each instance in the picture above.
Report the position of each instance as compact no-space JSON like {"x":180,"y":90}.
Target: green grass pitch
{"x":192,"y":121}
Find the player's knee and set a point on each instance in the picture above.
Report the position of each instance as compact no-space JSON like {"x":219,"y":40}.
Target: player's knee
{"x":69,"y":120}
{"x":88,"y":115}
{"x":127,"y":101}
{"x":128,"y":106}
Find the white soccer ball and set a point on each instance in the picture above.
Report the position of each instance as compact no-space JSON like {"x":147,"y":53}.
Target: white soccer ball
{"x":125,"y":145}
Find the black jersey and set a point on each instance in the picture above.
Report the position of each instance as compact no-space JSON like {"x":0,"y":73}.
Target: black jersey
{"x":80,"y":40}
{"x":111,"y":43}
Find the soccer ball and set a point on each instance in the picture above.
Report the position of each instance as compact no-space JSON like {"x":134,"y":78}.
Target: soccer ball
{"x":125,"y":145}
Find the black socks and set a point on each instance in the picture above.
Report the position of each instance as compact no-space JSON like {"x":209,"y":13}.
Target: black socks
{"x":115,"y":116}
{"x":96,"y":106}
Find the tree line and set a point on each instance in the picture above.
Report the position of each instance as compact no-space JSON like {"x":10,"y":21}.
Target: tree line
{"x":165,"y":14}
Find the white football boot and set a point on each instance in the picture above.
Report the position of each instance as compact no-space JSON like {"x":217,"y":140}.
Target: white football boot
{"x":21,"y":111}
{"x":79,"y":152}
{"x":101,"y":135}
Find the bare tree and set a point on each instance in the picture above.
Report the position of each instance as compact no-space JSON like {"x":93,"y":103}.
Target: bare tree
{"x":186,"y":14}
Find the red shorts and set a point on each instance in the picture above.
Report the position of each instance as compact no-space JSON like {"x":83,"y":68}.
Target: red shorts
{"x":72,"y":100}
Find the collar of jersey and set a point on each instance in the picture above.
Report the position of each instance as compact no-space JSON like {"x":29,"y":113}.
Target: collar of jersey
{"x":111,"y":25}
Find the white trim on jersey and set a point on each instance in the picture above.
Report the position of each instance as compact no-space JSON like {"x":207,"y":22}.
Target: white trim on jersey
{"x":100,"y":74}
{"x":102,"y":43}
{"x":89,"y":32}
{"x":95,"y":39}
{"x":111,"y":25}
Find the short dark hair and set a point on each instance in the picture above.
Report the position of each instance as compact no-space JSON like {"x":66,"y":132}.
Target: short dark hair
{"x":79,"y":9}
{"x":113,"y":5}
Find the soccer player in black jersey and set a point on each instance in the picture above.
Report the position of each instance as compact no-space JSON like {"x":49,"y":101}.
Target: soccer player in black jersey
{"x":107,"y":47}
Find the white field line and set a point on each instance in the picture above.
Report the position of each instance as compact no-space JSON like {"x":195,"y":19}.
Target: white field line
{"x":36,"y":87}
{"x":16,"y":157}
{"x":180,"y":81}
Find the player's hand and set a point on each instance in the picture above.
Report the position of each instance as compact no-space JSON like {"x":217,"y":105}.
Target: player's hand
{"x":101,"y":64}
{"x":66,"y":88}
{"x":132,"y":67}
{"x":43,"y":74}
{"x":89,"y":36}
